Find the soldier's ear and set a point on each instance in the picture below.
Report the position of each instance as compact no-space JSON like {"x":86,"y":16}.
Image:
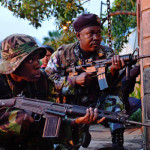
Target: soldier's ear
{"x":78,"y":36}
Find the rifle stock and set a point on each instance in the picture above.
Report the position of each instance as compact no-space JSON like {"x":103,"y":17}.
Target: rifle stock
{"x":54,"y":112}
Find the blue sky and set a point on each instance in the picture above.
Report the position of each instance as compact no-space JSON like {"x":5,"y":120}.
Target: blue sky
{"x":10,"y":24}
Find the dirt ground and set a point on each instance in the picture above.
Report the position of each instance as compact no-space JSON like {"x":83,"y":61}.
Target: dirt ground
{"x":101,"y":138}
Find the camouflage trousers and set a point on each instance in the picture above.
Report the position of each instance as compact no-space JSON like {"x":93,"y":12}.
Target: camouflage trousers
{"x":112,"y":103}
{"x":14,"y":135}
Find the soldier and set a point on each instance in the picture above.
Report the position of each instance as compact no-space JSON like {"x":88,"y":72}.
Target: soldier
{"x":49,"y":52}
{"x":83,"y":88}
{"x":131,"y":104}
{"x":20,"y":74}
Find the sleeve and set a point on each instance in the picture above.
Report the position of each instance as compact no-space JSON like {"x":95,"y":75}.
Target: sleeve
{"x":64,"y":84}
{"x":108,"y":52}
{"x":128,"y":85}
{"x":11,"y":121}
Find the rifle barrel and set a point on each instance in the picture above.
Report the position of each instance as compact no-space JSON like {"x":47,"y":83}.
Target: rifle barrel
{"x":137,"y":123}
{"x":144,"y":56}
{"x":126,"y":58}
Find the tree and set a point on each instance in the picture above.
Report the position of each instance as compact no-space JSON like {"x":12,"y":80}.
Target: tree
{"x":120,"y":28}
{"x":123,"y":18}
{"x":122,"y":24}
{"x":65,"y":11}
{"x":37,"y":11}
{"x":58,"y":38}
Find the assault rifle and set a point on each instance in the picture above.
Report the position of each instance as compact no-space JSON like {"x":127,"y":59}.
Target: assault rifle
{"x":54,"y":112}
{"x":99,"y":66}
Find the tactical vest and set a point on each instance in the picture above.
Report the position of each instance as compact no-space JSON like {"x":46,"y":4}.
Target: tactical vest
{"x":67,"y":56}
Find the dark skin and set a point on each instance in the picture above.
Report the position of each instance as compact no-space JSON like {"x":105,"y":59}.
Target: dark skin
{"x":46,"y":58}
{"x":29,"y":71}
{"x":90,"y":39}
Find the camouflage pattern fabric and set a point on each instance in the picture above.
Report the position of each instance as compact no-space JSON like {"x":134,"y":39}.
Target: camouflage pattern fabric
{"x":15,"y":132}
{"x":11,"y":120}
{"x":15,"y":49}
{"x":70,"y":56}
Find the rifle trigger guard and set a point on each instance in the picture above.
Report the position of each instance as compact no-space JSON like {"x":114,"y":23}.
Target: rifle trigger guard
{"x":37,"y":117}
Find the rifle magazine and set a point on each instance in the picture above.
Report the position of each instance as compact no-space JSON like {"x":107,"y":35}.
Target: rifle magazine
{"x":52,"y":126}
{"x":102,"y":78}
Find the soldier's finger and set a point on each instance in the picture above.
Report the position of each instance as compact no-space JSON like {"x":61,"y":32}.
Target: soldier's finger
{"x":101,"y":120}
{"x":28,"y":118}
{"x":122,"y":62}
{"x":87,"y":112}
{"x":91,"y":114}
{"x":84,"y":119}
{"x":90,"y":73}
{"x":112,"y":60}
{"x":95,"y":114}
{"x":118,"y":61}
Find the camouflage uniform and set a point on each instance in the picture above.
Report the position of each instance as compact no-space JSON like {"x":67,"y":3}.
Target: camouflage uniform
{"x":13,"y":125}
{"x":13,"y":135}
{"x":70,"y":56}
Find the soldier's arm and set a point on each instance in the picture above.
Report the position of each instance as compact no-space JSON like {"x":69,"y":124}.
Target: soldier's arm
{"x":64,"y":84}
{"x":128,"y":85}
{"x":13,"y":122}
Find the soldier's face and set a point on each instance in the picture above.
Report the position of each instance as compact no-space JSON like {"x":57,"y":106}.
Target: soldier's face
{"x":90,"y":38}
{"x":29,"y":70}
{"x":46,"y":58}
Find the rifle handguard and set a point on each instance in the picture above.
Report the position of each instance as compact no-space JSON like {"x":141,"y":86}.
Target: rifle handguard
{"x":7,"y":103}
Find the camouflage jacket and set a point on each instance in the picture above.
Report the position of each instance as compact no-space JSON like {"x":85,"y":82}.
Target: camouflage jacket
{"x":12,"y":133}
{"x":70,"y":55}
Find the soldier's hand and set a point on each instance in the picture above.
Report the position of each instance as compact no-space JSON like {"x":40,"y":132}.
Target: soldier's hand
{"x":98,"y":121}
{"x":84,"y":78}
{"x":117,"y":64}
{"x":27,"y":120}
{"x":90,"y":117}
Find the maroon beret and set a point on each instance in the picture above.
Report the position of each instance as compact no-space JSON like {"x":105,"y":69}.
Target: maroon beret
{"x":86,"y":20}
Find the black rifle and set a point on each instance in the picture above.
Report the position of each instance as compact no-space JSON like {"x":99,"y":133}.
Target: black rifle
{"x":54,"y":112}
{"x":98,"y":66}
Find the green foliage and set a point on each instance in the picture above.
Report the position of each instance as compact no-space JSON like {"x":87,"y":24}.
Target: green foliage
{"x":122,"y":24}
{"x":136,"y":116}
{"x":64,"y":37}
{"x":137,"y":90}
{"x":37,"y":11}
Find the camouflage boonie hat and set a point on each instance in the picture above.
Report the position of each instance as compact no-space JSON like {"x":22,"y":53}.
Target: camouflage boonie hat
{"x":14,"y":49}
